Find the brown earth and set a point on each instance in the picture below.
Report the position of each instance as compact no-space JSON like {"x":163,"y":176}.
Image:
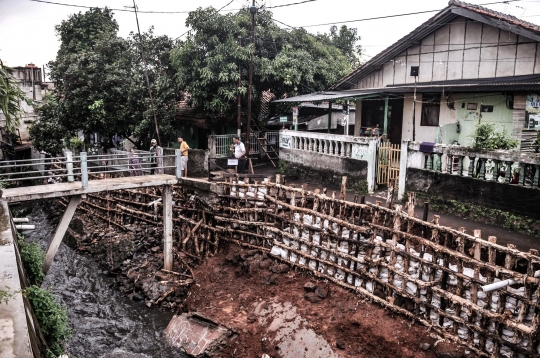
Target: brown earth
{"x":231,"y":287}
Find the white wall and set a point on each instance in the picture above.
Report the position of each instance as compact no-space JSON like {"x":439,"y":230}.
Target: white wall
{"x":462,"y":49}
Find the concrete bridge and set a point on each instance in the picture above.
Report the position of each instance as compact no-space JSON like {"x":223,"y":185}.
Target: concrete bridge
{"x":16,"y":339}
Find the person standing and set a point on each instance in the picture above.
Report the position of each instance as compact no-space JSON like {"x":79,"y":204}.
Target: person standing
{"x":184,"y":150}
{"x":135,"y":168}
{"x":239,"y":153}
{"x":156,"y":158}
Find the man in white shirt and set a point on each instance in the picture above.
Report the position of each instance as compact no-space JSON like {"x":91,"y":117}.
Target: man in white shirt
{"x":239,"y":153}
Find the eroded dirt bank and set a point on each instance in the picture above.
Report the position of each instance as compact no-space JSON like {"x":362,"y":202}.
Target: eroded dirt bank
{"x":272,"y":308}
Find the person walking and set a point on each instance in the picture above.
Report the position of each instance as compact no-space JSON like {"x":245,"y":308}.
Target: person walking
{"x":240,"y":154}
{"x":184,"y":149}
{"x":156,"y":158}
{"x":134,"y":160}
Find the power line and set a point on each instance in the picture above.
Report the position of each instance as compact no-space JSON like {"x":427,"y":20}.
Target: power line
{"x":284,"y":5}
{"x":397,"y":15}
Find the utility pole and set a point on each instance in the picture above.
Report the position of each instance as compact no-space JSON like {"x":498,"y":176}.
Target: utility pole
{"x":253,"y":10}
{"x":146,"y":74}
{"x":239,"y":109}
{"x":415,"y":71}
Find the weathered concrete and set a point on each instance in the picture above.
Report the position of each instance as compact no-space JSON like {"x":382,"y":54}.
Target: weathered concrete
{"x":195,"y":334}
{"x":197,"y":162}
{"x":14,"y":337}
{"x":490,"y":194}
{"x":74,"y":201}
{"x":167,"y":227}
{"x":94,"y":186}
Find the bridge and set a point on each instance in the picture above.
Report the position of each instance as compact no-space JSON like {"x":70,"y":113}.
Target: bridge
{"x":73,"y":177}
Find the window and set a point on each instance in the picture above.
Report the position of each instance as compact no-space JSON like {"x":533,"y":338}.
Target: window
{"x":431,"y":105}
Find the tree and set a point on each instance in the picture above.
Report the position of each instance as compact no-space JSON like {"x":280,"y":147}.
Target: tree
{"x":100,"y":85}
{"x":11,"y":97}
{"x":286,"y":63}
{"x":347,"y":40}
{"x":47,"y":133}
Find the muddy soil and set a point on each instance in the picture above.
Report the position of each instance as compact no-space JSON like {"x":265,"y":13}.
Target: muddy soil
{"x":274,"y":309}
{"x":259,"y":298}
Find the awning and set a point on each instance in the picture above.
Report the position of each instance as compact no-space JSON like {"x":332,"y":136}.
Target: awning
{"x":330,"y":96}
{"x":493,"y":84}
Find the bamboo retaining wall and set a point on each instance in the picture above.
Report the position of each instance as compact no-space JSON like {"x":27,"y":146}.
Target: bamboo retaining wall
{"x":427,"y":272}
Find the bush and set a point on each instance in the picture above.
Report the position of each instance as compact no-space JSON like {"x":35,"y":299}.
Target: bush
{"x":485,"y":137}
{"x":52,"y":318}
{"x":32,"y":258}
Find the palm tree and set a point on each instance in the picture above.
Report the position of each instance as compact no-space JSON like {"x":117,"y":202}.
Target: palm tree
{"x":10,"y":98}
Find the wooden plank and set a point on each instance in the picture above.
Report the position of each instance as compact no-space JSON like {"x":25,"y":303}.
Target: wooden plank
{"x":38,"y":192}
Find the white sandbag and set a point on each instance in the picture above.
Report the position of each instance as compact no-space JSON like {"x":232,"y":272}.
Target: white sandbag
{"x":340,"y":274}
{"x":369,"y":286}
{"x":411,"y":288}
{"x":293,"y":257}
{"x":302,"y":260}
{"x":312,"y":264}
{"x":276,"y":251}
{"x":358,"y":282}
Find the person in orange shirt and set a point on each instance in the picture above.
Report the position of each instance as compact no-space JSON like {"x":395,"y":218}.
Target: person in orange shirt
{"x":184,"y":149}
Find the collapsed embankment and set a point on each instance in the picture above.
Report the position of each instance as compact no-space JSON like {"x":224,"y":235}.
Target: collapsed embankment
{"x":424,"y":272}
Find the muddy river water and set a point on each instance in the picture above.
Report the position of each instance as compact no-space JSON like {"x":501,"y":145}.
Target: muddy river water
{"x":105,"y":323}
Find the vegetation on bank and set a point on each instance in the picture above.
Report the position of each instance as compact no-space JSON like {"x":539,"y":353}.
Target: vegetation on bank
{"x":51,"y":315}
{"x":491,"y":216}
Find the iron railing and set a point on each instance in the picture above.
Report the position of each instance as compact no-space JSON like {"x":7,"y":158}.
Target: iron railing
{"x":78,"y":168}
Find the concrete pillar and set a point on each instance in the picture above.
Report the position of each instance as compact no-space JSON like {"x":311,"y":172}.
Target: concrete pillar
{"x":403,"y":169}
{"x":167,"y":227}
{"x":372,"y":166}
{"x":358,"y":118}
{"x":74,"y":201}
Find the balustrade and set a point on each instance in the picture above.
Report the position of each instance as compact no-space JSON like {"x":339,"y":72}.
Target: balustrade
{"x":510,"y":167}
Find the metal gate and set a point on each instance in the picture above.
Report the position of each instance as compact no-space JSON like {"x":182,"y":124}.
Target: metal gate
{"x":388,"y":156}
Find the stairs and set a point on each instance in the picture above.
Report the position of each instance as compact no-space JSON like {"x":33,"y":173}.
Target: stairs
{"x":266,"y":148}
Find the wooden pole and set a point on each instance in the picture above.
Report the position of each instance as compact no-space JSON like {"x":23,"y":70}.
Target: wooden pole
{"x":167,"y":228}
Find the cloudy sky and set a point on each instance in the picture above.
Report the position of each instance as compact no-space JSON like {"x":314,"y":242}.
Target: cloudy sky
{"x":27,"y":27}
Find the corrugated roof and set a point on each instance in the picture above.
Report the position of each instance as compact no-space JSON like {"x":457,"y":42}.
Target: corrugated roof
{"x":453,"y":10}
{"x":493,"y":84}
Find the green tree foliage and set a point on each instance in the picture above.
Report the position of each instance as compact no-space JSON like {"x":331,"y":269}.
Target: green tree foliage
{"x":485,"y":137}
{"x":48,"y":132}
{"x":347,"y":40}
{"x":285,"y":62}
{"x":100,"y":83}
{"x":11,"y":97}
{"x":52,"y":318}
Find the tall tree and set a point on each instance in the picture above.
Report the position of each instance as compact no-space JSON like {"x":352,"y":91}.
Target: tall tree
{"x":286,"y":62}
{"x":100,"y":85}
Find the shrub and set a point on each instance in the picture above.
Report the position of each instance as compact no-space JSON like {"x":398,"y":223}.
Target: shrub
{"x":485,"y":137}
{"x":32,"y":258}
{"x":52,"y":318}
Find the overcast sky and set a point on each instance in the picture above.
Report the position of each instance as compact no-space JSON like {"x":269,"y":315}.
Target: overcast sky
{"x":27,"y":27}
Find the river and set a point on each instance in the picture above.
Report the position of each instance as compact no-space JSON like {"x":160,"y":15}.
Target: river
{"x":105,"y":323}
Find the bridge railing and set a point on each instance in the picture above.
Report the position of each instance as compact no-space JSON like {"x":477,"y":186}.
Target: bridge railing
{"x":71,"y":168}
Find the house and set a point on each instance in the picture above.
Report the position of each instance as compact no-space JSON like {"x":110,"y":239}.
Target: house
{"x":30,"y":81}
{"x":314,"y":117}
{"x":466,"y":65}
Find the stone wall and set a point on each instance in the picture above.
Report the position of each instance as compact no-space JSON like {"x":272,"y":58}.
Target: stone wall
{"x":510,"y":198}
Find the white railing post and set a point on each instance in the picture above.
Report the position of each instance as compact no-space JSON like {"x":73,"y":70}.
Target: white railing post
{"x":372,"y":165}
{"x":178,"y":163}
{"x":403,"y":169}
{"x":69,"y":166}
{"x":84,"y":170}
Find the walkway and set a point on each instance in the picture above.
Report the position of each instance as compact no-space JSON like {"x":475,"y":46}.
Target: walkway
{"x":48,"y":191}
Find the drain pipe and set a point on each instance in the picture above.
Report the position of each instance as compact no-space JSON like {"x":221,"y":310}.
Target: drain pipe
{"x":501,"y":284}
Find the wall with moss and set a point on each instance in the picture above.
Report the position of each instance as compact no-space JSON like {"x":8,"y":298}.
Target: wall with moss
{"x":511,"y":206}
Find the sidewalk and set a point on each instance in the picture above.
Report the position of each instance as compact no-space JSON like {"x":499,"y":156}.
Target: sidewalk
{"x":504,"y":236}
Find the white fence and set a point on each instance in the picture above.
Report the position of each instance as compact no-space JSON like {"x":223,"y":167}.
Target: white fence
{"x":503,"y":166}
{"x":329,"y":152}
